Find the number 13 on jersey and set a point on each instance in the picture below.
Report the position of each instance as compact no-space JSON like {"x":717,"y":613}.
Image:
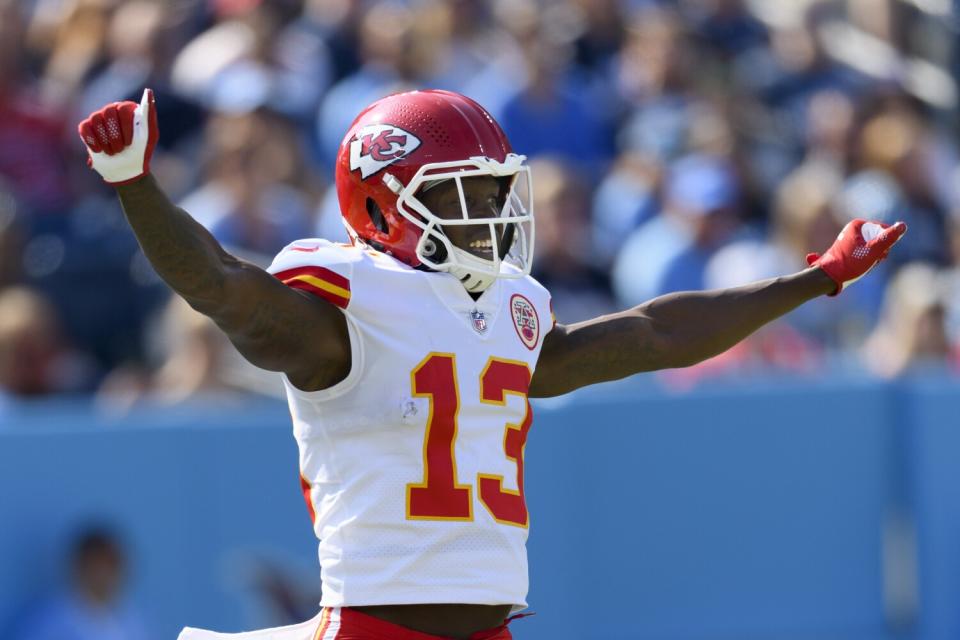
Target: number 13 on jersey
{"x":439,"y":496}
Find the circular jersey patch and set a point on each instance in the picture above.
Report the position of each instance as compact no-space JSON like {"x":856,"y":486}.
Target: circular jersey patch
{"x":525,"y":320}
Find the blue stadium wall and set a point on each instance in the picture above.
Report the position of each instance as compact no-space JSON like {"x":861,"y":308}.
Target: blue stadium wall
{"x":825,"y":510}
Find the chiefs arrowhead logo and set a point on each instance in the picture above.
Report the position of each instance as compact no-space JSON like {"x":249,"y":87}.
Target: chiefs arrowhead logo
{"x":525,"y":320}
{"x":379,"y":145}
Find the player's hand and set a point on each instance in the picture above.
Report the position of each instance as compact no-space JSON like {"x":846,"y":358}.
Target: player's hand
{"x":858,"y":248}
{"x":120,"y":139}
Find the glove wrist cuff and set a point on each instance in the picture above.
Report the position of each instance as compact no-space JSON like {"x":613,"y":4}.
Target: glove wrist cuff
{"x":120,"y":183}
{"x":829,"y":268}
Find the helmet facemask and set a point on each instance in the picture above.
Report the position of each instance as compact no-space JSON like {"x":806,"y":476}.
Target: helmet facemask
{"x":497,"y":245}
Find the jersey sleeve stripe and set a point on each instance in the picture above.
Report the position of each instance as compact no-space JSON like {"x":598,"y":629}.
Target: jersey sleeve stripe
{"x":323,"y":273}
{"x":319,"y":281}
{"x":322,"y":289}
{"x":320,"y":284}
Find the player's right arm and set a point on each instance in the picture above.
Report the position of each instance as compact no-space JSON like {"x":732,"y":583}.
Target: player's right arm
{"x":274,"y":326}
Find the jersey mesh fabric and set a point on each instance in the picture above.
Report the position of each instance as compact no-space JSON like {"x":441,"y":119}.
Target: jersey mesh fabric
{"x":362,"y":441}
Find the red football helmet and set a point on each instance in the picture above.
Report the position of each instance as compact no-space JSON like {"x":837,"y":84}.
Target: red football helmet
{"x":404,"y":143}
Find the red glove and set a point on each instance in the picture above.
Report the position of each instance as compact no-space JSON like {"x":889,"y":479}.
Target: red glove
{"x":120,"y":139}
{"x":858,"y":248}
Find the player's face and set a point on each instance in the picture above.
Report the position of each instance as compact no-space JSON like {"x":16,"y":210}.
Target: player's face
{"x":483,"y":199}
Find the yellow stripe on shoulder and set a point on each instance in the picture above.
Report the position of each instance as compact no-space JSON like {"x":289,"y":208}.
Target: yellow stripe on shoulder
{"x":321,"y":284}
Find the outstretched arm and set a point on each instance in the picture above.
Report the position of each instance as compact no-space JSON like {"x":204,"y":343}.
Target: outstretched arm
{"x":273,"y":326}
{"x":674,"y":330}
{"x":682,"y":329}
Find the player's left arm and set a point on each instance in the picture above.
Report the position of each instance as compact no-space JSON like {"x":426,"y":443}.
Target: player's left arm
{"x":682,"y":329}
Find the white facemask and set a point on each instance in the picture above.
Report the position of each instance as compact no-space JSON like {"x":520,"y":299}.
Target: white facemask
{"x":476,"y":273}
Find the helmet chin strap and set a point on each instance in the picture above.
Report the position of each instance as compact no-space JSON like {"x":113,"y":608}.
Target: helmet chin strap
{"x":472,"y":281}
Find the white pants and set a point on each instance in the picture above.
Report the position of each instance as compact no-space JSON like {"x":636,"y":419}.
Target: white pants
{"x":304,"y":631}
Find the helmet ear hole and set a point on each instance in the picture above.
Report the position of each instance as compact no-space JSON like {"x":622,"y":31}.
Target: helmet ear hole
{"x":434,"y":249}
{"x":429,"y":247}
{"x":376,"y":216}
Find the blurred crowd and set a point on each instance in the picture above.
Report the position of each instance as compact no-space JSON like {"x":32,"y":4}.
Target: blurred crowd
{"x":675,"y":144}
{"x":91,"y":602}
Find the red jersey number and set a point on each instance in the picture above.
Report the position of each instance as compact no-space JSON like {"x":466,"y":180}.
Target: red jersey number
{"x":438,"y":496}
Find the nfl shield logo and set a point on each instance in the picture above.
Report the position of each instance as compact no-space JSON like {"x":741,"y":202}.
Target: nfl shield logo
{"x":479,"y":320}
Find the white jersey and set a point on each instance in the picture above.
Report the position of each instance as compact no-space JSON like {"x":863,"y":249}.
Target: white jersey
{"x":413,"y":464}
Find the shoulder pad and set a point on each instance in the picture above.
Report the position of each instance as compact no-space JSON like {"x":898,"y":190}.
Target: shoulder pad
{"x":319,"y":267}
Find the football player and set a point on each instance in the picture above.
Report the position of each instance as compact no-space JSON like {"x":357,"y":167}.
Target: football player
{"x":409,"y":355}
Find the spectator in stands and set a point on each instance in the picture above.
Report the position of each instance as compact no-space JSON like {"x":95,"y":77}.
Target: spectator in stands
{"x":75,"y":44}
{"x":255,"y":97}
{"x":655,"y":78}
{"x":31,"y":129}
{"x":462,"y":48}
{"x":954,"y":220}
{"x":132,"y":41}
{"x":564,"y":260}
{"x":829,"y":130}
{"x":898,"y":153}
{"x":386,"y":48}
{"x":93,"y":607}
{"x":807,"y":210}
{"x":337,"y":22}
{"x":600,"y":34}
{"x":142,"y":42}
{"x":626,"y":197}
{"x":670,"y":252}
{"x":256,"y":56}
{"x":912,"y":335}
{"x":285,"y":594}
{"x":798,"y":67}
{"x":11,"y":240}
{"x":554,"y":112}
{"x":34,"y":357}
{"x":259,"y":190}
{"x":190,"y":360}
{"x":727,"y":25}
{"x":802,"y":217}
